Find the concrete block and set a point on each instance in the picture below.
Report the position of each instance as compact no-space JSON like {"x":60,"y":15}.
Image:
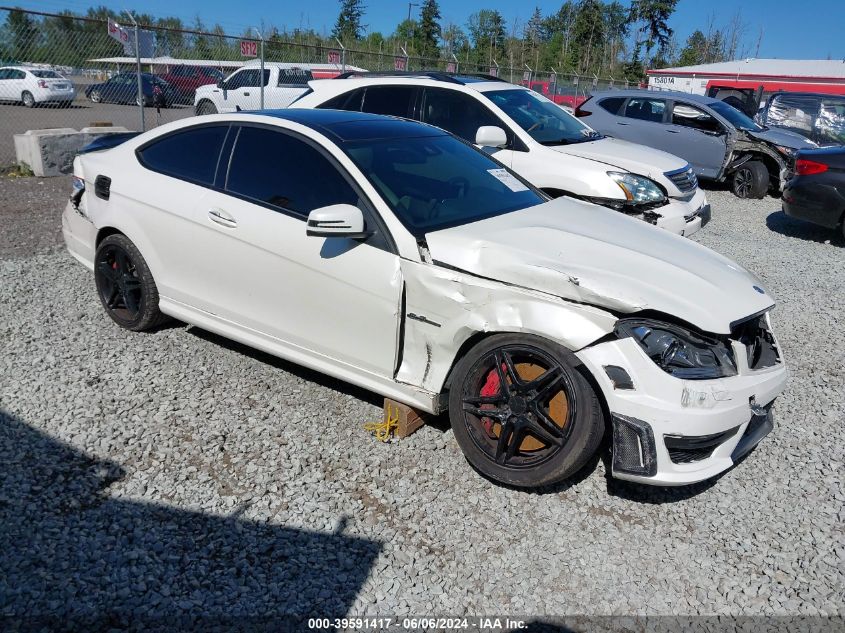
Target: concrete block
{"x":51,"y":152}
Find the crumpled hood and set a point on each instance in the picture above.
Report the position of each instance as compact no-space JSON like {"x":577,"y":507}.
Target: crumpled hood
{"x":586,"y":253}
{"x":632,"y":157}
{"x":784,"y":137}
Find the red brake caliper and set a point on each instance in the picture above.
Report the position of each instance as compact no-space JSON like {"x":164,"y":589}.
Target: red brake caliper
{"x":490,"y":388}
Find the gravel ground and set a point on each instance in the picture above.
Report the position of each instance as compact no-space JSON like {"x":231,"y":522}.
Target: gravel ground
{"x":178,"y":472}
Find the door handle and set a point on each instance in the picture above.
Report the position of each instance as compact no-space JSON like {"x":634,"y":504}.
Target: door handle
{"x":621,"y":123}
{"x":219,"y":216}
{"x":672,"y":131}
{"x":246,"y":94}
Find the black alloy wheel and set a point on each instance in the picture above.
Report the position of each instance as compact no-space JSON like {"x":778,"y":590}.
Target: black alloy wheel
{"x":125,"y":285}
{"x":522,"y":414}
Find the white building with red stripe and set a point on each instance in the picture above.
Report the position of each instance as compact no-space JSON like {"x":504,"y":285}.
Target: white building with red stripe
{"x":790,"y":75}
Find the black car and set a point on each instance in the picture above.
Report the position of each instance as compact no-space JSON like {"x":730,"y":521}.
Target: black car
{"x":123,"y":88}
{"x":817,"y":191}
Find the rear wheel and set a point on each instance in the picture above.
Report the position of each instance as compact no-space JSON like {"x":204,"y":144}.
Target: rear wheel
{"x":750,"y":180}
{"x":27,"y":99}
{"x":125,"y":284}
{"x":95,"y":96}
{"x":521,"y":412}
{"x":206,"y":107}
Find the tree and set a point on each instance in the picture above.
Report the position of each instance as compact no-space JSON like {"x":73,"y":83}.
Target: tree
{"x":23,"y":34}
{"x":653,"y":16}
{"x":487,"y":34}
{"x":694,"y":50}
{"x":348,"y":27}
{"x":429,"y":28}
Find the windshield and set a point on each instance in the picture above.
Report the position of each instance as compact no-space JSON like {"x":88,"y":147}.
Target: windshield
{"x":437,"y":182}
{"x":546,"y":122}
{"x":736,"y":118}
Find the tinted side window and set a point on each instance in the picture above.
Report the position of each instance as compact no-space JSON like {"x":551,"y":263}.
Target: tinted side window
{"x":4,"y":74}
{"x":18,"y":74}
{"x":190,"y":155}
{"x":612,"y":104}
{"x":690,"y":116}
{"x":280,"y":170}
{"x":390,"y":100}
{"x":646,"y":109}
{"x":247,"y":79}
{"x":347,"y":101}
{"x":457,"y":113}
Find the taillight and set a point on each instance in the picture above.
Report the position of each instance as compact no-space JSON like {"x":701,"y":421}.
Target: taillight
{"x":805,"y":167}
{"x":42,"y":83}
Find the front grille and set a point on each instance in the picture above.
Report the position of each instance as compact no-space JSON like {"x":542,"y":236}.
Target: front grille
{"x":688,"y":449}
{"x":760,"y":346}
{"x":684,"y":179}
{"x":633,"y":447}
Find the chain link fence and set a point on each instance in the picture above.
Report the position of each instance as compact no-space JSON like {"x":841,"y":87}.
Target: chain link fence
{"x":60,"y":71}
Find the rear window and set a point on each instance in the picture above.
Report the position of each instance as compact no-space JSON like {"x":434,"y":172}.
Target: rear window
{"x":612,"y":104}
{"x":188,"y":155}
{"x":350,"y":101}
{"x":294,"y":77}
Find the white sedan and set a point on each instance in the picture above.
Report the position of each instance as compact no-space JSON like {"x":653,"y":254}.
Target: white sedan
{"x":392,"y":255}
{"x":33,"y":86}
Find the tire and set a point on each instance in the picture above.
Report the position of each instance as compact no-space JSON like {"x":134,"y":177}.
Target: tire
{"x":27,"y":99}
{"x":543,"y":430}
{"x":750,"y":180}
{"x":95,"y":96}
{"x":139,"y":102}
{"x":125,"y":285}
{"x":206,"y":107}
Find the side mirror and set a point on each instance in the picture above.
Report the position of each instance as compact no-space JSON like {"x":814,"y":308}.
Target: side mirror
{"x":491,"y":136}
{"x":337,"y":220}
{"x":220,"y":84}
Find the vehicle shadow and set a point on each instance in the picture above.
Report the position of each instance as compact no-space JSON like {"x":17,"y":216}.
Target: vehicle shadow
{"x":73,"y":558}
{"x":779,"y":222}
{"x":291,"y":368}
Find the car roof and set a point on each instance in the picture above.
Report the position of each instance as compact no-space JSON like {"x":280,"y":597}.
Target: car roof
{"x":478,"y":82}
{"x":657,"y":94}
{"x":342,"y":126}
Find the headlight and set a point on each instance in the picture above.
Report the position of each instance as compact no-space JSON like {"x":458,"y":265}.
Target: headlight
{"x":786,"y":151}
{"x":637,"y":188}
{"x":679,"y":351}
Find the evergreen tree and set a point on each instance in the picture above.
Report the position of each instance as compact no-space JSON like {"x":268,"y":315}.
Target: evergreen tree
{"x":348,"y":27}
{"x":428,"y":32}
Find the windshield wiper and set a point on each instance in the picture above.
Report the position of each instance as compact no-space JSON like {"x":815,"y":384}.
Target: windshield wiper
{"x":560,"y":141}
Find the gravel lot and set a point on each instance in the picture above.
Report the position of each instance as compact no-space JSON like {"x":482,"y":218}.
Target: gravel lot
{"x":178,"y":472}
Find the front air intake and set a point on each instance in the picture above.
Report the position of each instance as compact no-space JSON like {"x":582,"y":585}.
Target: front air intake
{"x":633,"y":447}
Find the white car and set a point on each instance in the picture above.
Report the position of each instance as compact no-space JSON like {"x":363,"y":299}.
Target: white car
{"x":394,"y":256}
{"x":33,"y":86}
{"x":242,"y":89}
{"x":536,"y":138}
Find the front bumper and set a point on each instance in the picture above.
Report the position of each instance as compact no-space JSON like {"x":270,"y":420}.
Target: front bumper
{"x":685,"y":217}
{"x":680,"y":431}
{"x":80,"y":235}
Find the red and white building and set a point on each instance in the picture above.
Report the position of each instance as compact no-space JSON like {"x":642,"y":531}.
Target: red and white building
{"x":789,"y":75}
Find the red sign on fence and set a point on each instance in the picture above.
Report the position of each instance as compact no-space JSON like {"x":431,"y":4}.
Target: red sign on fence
{"x":334,"y":57}
{"x":494,"y":71}
{"x":249,"y":48}
{"x":400,"y":63}
{"x":451,"y":67}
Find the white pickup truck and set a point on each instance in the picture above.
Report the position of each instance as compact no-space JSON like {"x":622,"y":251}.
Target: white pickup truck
{"x":242,"y":89}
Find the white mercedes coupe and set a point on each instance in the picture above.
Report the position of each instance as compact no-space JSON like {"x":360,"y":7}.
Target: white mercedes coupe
{"x":397,"y":257}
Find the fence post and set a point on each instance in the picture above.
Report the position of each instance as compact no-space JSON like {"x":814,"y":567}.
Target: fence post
{"x":342,"y":55}
{"x":261,"y":85}
{"x":138,"y":72}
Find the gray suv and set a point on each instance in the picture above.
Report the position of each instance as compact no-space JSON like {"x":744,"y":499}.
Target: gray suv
{"x":720,"y":142}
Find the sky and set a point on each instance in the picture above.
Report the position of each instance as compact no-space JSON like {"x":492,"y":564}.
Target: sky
{"x":788,"y":33}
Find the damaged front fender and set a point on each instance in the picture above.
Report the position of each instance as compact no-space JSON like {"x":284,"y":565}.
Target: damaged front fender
{"x":445,"y":308}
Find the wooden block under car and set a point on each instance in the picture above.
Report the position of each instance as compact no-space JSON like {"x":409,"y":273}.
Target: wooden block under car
{"x":408,"y":419}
